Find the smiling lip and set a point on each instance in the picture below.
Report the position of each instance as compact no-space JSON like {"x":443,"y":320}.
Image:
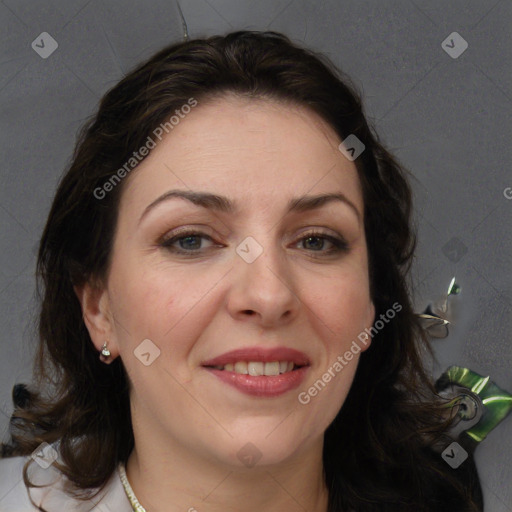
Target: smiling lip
{"x":261,"y":385}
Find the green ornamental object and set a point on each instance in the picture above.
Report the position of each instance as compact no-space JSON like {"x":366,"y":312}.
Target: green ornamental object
{"x":496,"y":403}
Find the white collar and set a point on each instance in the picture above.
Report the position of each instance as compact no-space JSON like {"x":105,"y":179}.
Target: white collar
{"x":53,"y":496}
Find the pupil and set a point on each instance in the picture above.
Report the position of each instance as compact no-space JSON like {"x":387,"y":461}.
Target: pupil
{"x":185,"y":241}
{"x":319,"y":242}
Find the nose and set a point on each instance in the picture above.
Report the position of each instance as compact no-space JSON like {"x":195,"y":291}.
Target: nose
{"x":263,"y":291}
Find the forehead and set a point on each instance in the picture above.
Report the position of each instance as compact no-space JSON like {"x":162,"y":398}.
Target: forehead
{"x":258,"y":152}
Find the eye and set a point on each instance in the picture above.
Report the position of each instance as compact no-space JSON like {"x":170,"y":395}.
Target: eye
{"x":192,"y":243}
{"x":186,"y":242}
{"x":323,"y":243}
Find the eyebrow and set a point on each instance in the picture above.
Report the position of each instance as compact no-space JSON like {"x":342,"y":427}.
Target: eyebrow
{"x":225,"y":205}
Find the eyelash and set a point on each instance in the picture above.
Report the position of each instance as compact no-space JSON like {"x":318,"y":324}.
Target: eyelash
{"x":339,"y":245}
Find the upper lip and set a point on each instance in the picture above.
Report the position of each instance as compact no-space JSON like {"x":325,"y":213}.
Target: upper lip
{"x":265,"y":355}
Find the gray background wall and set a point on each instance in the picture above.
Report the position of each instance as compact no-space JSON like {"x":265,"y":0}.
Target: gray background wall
{"x":447,"y":119}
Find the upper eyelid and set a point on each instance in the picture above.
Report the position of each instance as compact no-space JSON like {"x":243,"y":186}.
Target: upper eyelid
{"x":206,"y":228}
{"x":202,"y":231}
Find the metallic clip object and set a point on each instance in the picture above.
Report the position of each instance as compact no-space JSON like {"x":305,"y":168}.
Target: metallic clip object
{"x":435,"y":317}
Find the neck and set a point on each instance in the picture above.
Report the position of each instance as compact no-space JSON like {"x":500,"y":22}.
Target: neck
{"x":271,"y":489}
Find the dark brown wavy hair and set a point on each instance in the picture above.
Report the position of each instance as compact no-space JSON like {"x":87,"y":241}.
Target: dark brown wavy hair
{"x":379,"y":452}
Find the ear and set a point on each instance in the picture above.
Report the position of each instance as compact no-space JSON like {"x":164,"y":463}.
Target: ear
{"x":95,"y":303}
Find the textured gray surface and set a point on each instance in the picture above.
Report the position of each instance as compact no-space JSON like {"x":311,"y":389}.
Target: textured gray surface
{"x":447,"y":119}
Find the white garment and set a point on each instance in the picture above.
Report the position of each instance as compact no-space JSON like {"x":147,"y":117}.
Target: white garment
{"x":14,"y":493}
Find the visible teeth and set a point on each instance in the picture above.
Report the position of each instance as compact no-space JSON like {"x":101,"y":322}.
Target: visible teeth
{"x":241,"y":367}
{"x":272,"y":368}
{"x":257,"y":368}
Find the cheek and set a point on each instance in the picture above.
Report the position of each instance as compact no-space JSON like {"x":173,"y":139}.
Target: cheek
{"x":340,"y":303}
{"x":167,"y":305}
{"x":140,"y":304}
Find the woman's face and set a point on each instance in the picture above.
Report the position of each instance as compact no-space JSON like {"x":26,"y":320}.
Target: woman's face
{"x":269,"y":276}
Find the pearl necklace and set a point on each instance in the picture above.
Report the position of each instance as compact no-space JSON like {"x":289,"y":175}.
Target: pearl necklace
{"x":136,"y":506}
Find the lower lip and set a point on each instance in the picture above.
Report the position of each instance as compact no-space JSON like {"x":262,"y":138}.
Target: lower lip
{"x":262,"y":385}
